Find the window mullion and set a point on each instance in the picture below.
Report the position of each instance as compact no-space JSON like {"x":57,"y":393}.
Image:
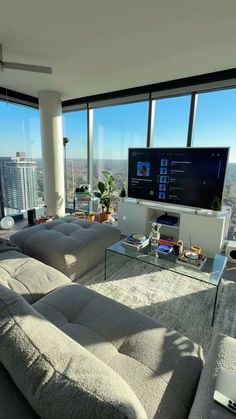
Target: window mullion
{"x":192,"y":118}
{"x":151,"y":119}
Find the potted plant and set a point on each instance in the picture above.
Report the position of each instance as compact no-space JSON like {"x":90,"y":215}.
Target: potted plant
{"x":106,"y":189}
{"x":216,"y":205}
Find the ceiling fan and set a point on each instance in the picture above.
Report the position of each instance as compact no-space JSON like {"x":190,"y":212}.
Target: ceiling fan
{"x":24,"y":67}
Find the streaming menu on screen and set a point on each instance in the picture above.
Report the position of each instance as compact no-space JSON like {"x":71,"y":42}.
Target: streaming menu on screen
{"x":191,"y":177}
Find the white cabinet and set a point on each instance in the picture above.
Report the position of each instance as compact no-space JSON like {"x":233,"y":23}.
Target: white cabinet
{"x":205,"y":231}
{"x":194,"y":228}
{"x":171,"y":231}
{"x":131,"y":218}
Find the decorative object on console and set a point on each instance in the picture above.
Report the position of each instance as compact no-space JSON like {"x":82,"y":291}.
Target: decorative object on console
{"x":122,"y":193}
{"x":7,"y":223}
{"x":216,"y":205}
{"x":106,"y":189}
{"x":155,"y":237}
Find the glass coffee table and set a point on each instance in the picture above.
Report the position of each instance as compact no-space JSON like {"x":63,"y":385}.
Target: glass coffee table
{"x":210,"y":273}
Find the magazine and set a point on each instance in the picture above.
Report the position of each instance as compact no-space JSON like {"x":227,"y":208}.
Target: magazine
{"x":195,"y":263}
{"x":164,"y":248}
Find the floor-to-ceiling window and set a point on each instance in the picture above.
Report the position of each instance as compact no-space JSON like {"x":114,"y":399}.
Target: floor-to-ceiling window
{"x":171,"y":121}
{"x":76,"y":163}
{"x":215,"y":125}
{"x":116,"y":128}
{"x":20,"y":158}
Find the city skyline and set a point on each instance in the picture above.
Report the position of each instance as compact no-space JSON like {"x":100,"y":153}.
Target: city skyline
{"x":19,"y":182}
{"x":118,"y":127}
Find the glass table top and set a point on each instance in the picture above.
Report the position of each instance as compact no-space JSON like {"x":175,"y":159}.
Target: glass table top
{"x":211,"y":272}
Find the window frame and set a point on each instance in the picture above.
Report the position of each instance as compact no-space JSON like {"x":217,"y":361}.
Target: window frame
{"x":193,"y":86}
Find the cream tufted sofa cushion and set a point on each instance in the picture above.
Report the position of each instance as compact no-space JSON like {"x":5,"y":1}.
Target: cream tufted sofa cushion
{"x":59,"y":378}
{"x":71,"y":245}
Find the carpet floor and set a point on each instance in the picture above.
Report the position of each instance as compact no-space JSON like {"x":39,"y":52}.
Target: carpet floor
{"x":176,"y":301}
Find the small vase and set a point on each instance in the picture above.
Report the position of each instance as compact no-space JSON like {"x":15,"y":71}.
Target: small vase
{"x":91,"y":217}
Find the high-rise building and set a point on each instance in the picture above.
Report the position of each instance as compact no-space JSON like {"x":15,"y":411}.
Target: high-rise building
{"x":19,"y":181}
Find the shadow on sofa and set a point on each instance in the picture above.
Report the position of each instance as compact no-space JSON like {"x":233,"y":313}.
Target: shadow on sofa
{"x":74,"y":353}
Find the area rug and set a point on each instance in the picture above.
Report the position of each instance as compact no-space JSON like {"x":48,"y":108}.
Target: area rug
{"x":176,"y":301}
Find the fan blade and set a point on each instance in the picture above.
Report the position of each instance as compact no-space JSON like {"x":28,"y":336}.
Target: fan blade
{"x":27,"y":67}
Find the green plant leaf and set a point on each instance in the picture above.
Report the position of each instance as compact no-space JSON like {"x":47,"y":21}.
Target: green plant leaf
{"x":98,"y":194}
{"x":106,"y":188}
{"x":101,"y":187}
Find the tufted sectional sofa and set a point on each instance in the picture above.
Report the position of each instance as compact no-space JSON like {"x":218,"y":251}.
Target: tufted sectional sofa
{"x":69,"y":352}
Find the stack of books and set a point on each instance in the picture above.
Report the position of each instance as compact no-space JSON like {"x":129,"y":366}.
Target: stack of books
{"x":187,"y":259}
{"x":136,"y":242}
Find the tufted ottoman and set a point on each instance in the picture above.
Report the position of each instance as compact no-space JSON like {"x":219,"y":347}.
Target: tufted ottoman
{"x":71,"y":245}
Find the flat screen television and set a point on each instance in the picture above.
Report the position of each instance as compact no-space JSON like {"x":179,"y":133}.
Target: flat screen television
{"x":192,"y":177}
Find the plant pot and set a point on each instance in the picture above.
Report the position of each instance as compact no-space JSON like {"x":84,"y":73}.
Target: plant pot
{"x":103,"y":216}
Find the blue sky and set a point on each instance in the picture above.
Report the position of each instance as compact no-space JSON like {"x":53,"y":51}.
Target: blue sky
{"x":118,"y":127}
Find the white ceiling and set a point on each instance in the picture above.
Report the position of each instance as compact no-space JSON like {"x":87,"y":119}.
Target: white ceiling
{"x":97,"y":46}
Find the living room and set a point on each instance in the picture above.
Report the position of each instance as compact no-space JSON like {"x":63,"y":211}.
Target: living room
{"x":81,"y":84}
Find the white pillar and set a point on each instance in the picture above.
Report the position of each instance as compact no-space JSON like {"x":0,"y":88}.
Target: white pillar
{"x":52,"y":151}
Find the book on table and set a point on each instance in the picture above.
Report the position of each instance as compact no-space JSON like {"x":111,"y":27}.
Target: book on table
{"x":188,"y":259}
{"x":164,"y":248}
{"x":136,"y":242}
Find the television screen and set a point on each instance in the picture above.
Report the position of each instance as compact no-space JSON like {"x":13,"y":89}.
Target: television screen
{"x":180,"y":176}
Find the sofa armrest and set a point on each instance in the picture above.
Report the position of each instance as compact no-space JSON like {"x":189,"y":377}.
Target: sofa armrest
{"x":27,"y":276}
{"x":222,"y":353}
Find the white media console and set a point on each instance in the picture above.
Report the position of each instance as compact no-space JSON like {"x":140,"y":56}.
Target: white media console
{"x":196,"y":228}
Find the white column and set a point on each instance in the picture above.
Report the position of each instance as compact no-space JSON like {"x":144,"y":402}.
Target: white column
{"x":52,"y":151}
